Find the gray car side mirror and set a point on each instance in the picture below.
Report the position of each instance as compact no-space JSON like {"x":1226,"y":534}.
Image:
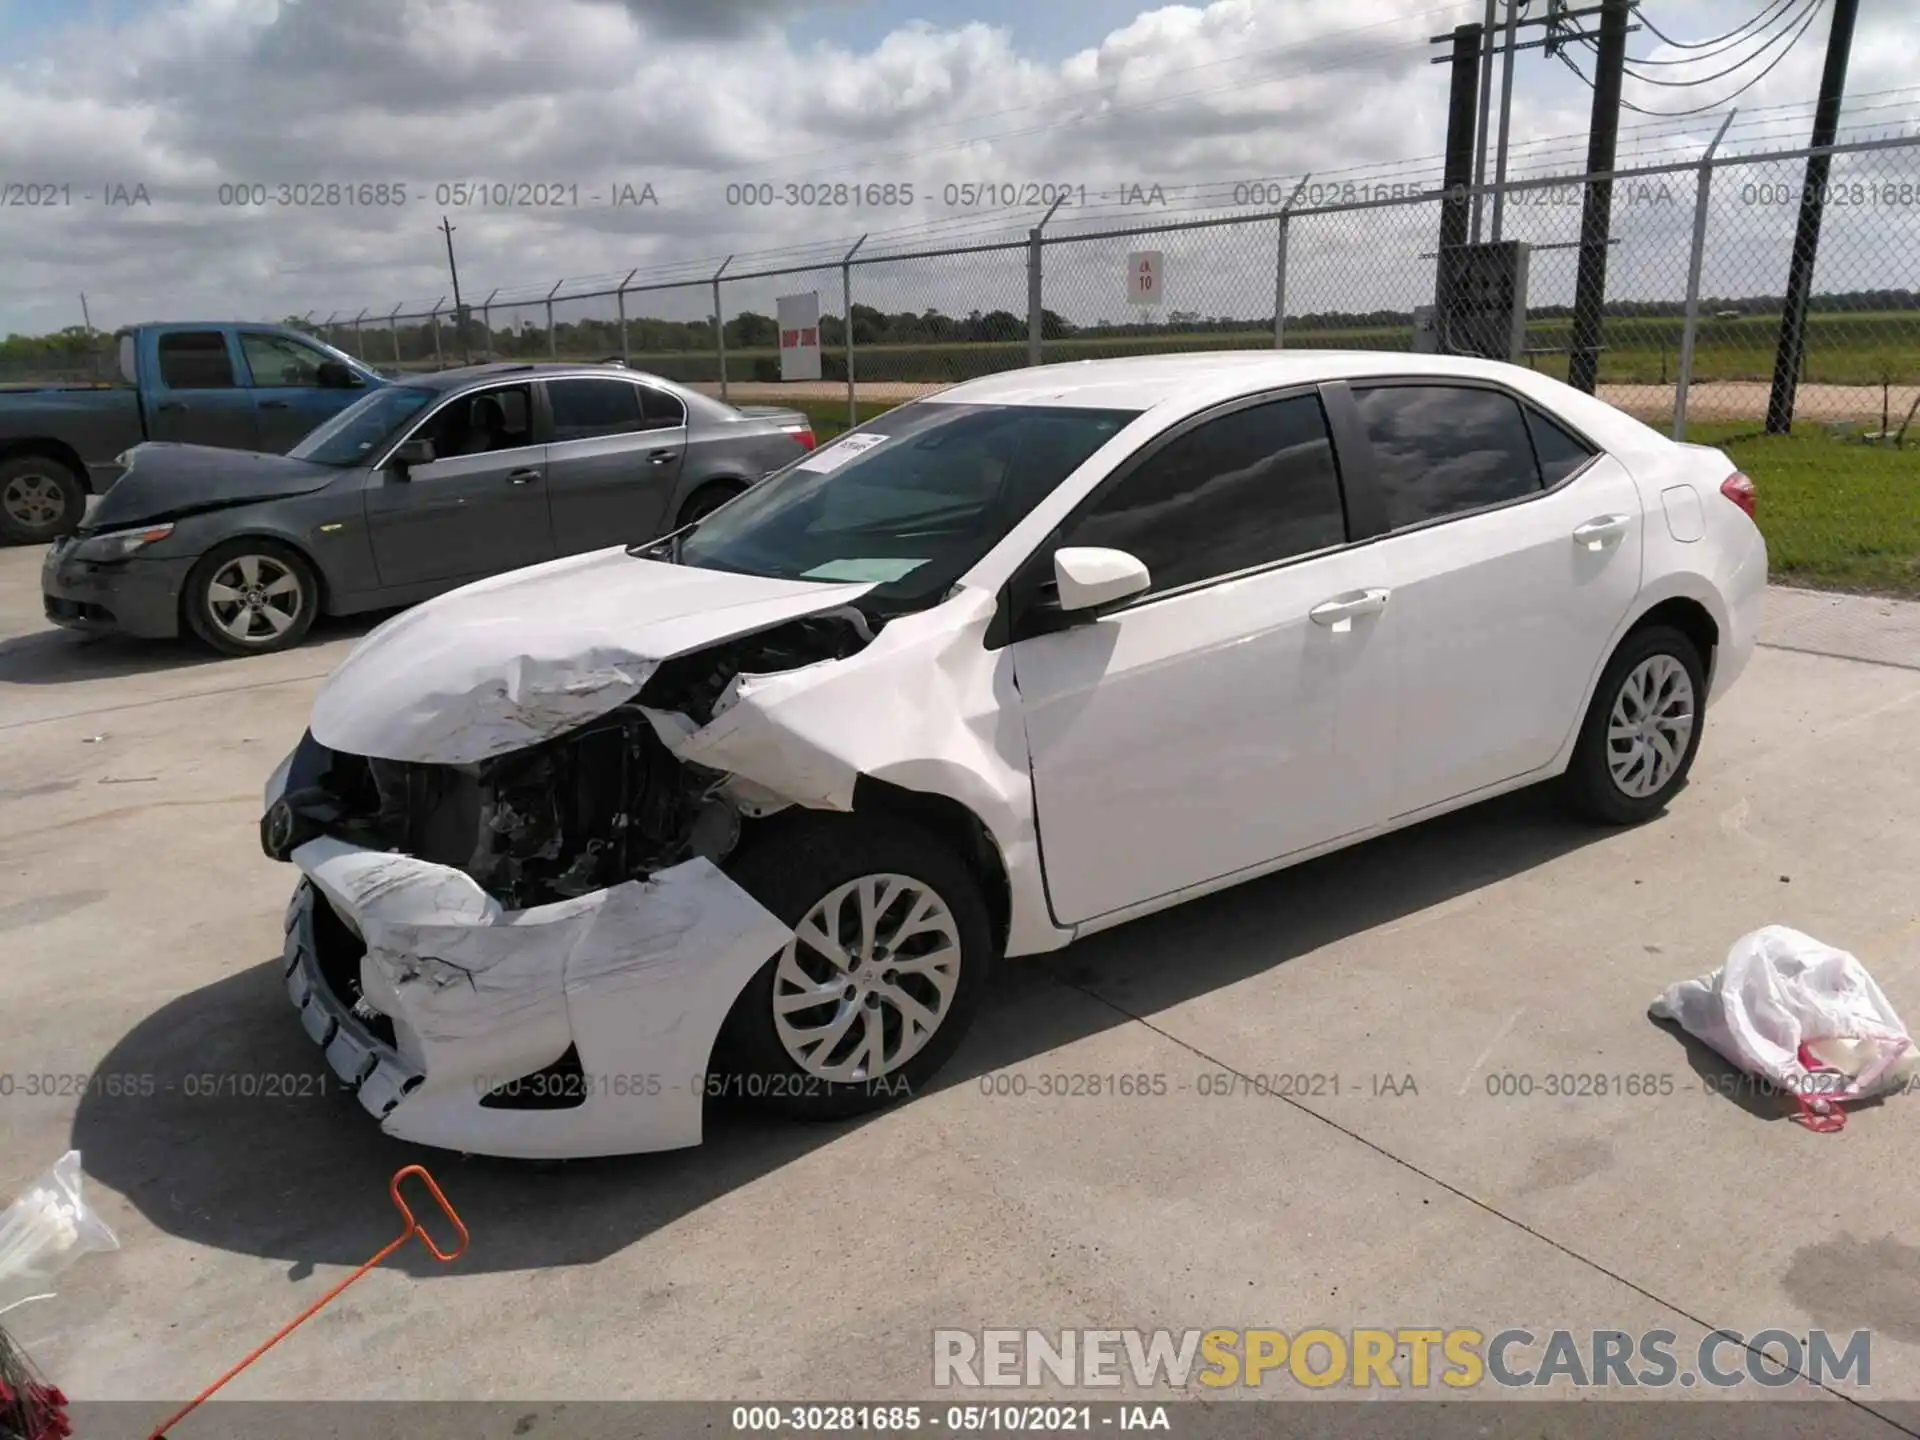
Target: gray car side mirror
{"x":412,"y":452}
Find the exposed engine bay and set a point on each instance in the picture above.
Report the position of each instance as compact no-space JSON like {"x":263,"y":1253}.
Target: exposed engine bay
{"x":600,"y":804}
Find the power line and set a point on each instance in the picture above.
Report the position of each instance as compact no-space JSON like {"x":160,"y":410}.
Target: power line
{"x":1812,"y":11}
{"x":1703,"y":44}
{"x":1772,"y":12}
{"x":1736,"y":66}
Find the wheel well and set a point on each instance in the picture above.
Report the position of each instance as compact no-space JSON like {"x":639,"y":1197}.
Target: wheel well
{"x":713,"y":482}
{"x":960,"y":828}
{"x":50,"y":449}
{"x":321,"y":598}
{"x":1691,"y":619}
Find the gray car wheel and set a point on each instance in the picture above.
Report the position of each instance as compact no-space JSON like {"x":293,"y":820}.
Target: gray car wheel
{"x":252,"y":597}
{"x":40,"y":500}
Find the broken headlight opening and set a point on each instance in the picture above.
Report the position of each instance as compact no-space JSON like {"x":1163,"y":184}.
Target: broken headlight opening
{"x":605,"y":803}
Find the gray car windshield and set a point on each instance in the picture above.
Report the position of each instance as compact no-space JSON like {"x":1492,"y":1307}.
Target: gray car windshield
{"x":911,"y":500}
{"x":351,"y":437}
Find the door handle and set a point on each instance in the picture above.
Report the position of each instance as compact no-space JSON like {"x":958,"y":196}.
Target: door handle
{"x":171,"y":405}
{"x":273,"y":404}
{"x":1342,"y":610}
{"x":522,"y":477}
{"x":1598,"y":531}
{"x":662,"y":457}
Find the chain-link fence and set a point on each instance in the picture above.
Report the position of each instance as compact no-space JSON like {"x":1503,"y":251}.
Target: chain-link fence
{"x":1686,"y":324}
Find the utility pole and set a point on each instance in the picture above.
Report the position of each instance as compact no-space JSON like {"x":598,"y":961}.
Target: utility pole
{"x":459,"y":310}
{"x":1486,"y":94}
{"x":1806,"y":238}
{"x":1514,"y":8}
{"x":1457,"y":166}
{"x":86,"y":318}
{"x":1596,"y":209}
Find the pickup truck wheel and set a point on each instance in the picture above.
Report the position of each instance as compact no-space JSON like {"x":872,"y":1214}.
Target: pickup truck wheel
{"x":40,"y":500}
{"x":252,"y":597}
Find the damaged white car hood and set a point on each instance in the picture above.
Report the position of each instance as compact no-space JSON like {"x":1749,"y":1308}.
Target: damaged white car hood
{"x":510,"y":661}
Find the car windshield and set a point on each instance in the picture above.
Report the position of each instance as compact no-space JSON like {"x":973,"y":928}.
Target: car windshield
{"x":350,"y":437}
{"x":910,"y":500}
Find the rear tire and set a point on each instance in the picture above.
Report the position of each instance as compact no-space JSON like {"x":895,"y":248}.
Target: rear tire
{"x":915,"y":973}
{"x":1642,"y":730}
{"x":41,"y":499}
{"x":251,"y":597}
{"x":704,"y":501}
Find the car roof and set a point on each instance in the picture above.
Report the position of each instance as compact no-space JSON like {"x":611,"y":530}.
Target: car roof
{"x":1141,"y":382}
{"x":544,"y":370}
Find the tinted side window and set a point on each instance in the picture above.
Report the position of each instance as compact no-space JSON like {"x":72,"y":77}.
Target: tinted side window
{"x":1443,"y":449}
{"x":195,"y":360}
{"x":494,"y":419}
{"x":1250,"y":488}
{"x":663,"y":411}
{"x":1559,"y":453}
{"x":585,"y":408}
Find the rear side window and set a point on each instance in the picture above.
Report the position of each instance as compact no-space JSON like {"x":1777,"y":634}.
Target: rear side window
{"x":663,"y":411}
{"x":583,"y":409}
{"x":1250,"y":488}
{"x":1445,"y":449}
{"x":195,"y":360}
{"x":1558,"y":452}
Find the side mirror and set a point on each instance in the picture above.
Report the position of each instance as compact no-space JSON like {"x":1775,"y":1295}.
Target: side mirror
{"x":412,"y":452}
{"x":332,"y":375}
{"x":1089,"y":576}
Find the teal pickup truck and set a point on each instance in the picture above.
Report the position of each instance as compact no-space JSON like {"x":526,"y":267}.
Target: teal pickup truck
{"x":241,"y":387}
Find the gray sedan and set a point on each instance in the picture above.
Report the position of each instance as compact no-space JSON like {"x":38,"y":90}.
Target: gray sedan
{"x":413,"y":490}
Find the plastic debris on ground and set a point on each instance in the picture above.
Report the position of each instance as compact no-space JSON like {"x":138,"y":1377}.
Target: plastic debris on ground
{"x":1802,"y":1015}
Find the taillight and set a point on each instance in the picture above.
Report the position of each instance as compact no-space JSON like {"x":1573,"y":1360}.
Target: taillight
{"x":1739,"y":489}
{"x":804,"y":434}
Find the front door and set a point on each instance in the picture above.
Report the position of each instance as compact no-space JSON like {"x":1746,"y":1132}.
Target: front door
{"x":1234,"y":713}
{"x":288,"y":397}
{"x":196,"y":397}
{"x":1514,"y":559}
{"x":478,"y":508}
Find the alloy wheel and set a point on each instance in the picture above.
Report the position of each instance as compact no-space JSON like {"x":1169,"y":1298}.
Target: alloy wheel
{"x":33,"y":500}
{"x":867,"y":978}
{"x":254,"y":598}
{"x":1650,"y":726}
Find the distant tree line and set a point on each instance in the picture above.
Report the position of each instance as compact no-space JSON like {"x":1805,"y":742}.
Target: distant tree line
{"x":414,"y":340}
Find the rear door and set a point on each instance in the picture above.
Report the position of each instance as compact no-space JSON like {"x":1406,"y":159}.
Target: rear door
{"x":614,"y":452}
{"x":195,"y":395}
{"x":479,"y":508}
{"x":288,"y":398}
{"x":1234,"y":713}
{"x":1513,"y":554}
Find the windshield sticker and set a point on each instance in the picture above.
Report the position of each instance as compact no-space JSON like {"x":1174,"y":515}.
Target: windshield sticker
{"x":832,"y":457}
{"x":879,"y":569}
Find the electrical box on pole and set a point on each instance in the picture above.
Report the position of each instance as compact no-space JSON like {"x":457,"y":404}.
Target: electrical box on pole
{"x":1480,"y":300}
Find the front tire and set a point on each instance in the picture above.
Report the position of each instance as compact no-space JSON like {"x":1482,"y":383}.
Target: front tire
{"x":1642,"y":729}
{"x":41,"y":499}
{"x":883,"y":977}
{"x":252,"y":597}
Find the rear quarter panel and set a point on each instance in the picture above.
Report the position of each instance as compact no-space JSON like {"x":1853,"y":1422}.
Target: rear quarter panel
{"x":84,"y":428}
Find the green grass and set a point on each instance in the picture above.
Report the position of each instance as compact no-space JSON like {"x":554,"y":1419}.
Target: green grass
{"x":1837,"y":514}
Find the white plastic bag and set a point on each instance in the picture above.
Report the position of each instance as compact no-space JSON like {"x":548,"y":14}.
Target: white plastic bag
{"x":1801,"y":1014}
{"x":45,"y":1230}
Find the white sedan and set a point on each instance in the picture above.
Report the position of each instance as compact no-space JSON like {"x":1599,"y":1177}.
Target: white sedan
{"x":753,"y":810}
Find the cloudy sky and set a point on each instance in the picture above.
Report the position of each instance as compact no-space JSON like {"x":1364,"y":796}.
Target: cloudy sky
{"x":593,"y":101}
